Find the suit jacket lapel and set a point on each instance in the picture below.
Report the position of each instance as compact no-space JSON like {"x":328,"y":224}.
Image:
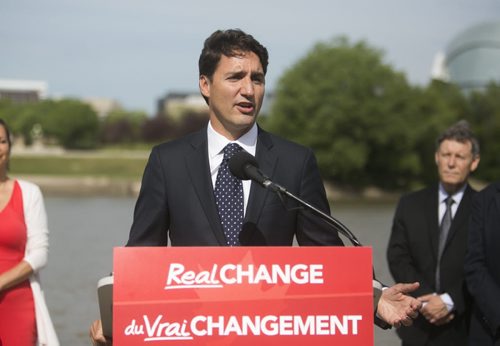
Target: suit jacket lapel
{"x":497,"y":197}
{"x":267,"y":162}
{"x":433,"y":219}
{"x":199,"y":172}
{"x":462,"y":214}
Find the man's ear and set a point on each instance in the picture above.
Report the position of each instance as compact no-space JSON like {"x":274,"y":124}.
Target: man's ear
{"x":474,"y":163}
{"x":204,"y":84}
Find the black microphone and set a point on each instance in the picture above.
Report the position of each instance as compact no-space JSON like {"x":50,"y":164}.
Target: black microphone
{"x":245,"y":167}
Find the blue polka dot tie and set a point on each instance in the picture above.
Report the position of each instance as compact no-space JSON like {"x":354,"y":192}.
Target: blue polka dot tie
{"x":229,"y":197}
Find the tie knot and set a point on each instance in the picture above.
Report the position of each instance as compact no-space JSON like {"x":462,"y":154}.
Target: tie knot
{"x":231,"y":149}
{"x":449,"y":201}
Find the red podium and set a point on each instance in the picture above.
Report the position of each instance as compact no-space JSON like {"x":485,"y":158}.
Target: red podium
{"x":243,"y":296}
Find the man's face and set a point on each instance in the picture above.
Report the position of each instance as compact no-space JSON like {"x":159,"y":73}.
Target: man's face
{"x":235,"y":94}
{"x":455,"y":162}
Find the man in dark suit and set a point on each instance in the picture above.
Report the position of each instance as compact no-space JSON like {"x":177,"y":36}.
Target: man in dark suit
{"x":182,"y":197}
{"x":177,"y":199}
{"x":187,"y":213}
{"x":482,"y":267}
{"x":428,"y":242}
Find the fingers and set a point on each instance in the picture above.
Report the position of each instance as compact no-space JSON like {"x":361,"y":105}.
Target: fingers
{"x":413,"y":314}
{"x":437,"y":316}
{"x":407,"y":288}
{"x":446,"y":319}
{"x":425,"y":297}
{"x":403,"y":321}
{"x":96,"y":335}
{"x":442,"y":320}
{"x":415,"y":304}
{"x":407,"y":322}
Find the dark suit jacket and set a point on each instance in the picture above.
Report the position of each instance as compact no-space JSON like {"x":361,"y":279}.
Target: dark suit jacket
{"x":412,"y":256}
{"x":177,"y":199}
{"x":482,"y":266}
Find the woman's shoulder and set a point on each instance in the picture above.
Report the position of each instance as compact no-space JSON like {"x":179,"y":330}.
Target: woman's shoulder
{"x":27,"y":187}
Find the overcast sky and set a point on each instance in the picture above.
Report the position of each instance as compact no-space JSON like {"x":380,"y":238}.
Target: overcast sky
{"x":136,"y":51}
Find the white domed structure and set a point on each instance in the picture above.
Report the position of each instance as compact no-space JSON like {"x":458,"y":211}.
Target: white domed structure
{"x":472,"y":59}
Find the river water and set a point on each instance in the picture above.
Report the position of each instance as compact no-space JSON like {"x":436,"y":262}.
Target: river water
{"x":85,"y":230}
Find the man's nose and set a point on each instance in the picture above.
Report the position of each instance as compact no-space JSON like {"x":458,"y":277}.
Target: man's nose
{"x":247,"y":87}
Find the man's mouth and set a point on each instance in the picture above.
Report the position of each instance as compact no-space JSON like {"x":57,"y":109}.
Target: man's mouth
{"x":245,"y":107}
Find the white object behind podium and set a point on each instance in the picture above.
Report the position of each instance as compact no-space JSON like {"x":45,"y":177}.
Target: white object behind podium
{"x":105,"y":297}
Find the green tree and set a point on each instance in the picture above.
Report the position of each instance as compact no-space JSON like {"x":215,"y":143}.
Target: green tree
{"x":8,"y":113}
{"x":21,"y":119}
{"x":72,"y":123}
{"x":122,"y":126}
{"x":485,"y":114}
{"x":436,"y":107}
{"x":354,"y":110}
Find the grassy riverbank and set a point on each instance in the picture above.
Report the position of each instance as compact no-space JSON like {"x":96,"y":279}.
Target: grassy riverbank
{"x":73,"y":165}
{"x":119,"y":172}
{"x":105,"y":172}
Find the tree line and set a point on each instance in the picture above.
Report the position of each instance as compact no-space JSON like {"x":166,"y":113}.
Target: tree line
{"x":73,"y":124}
{"x":367,"y":125}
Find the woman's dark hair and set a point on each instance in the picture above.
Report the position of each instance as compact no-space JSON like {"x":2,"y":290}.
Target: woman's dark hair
{"x":7,"y":132}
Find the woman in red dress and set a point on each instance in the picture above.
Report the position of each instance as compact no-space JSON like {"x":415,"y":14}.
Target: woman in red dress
{"x":23,"y":251}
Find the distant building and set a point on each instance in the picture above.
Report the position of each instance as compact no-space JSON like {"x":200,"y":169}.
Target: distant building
{"x":102,"y":106}
{"x":177,"y":104}
{"x":22,"y":91}
{"x":472,"y":58}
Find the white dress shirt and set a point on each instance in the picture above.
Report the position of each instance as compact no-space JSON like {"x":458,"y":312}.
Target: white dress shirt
{"x":216,"y":144}
{"x":457,"y":198}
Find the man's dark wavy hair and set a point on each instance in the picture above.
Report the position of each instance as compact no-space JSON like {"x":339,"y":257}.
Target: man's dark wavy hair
{"x":230,"y":43}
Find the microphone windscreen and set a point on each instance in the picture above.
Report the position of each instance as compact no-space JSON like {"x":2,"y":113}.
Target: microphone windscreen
{"x":239,"y":161}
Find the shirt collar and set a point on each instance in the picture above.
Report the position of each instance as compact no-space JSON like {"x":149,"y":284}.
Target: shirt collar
{"x":457,"y":196}
{"x":217,"y":142}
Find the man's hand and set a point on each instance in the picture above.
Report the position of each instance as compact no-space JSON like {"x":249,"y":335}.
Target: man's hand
{"x":96,"y":335}
{"x":396,"y":307}
{"x":435,"y":310}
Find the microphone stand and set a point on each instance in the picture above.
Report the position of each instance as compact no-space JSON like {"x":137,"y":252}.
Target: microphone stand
{"x":252,"y":172}
{"x":244,"y":166}
{"x":339,"y":226}
{"x":280,"y":190}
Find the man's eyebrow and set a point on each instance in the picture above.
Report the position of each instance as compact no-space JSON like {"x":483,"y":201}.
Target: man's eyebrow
{"x":238,"y":73}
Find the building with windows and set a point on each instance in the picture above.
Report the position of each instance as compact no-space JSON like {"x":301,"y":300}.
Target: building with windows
{"x":22,"y":91}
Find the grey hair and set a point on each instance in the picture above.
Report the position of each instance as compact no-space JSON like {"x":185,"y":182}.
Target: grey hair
{"x":460,"y":132}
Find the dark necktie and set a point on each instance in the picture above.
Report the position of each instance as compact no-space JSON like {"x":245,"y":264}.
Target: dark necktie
{"x":229,"y":197}
{"x":443,"y":235}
